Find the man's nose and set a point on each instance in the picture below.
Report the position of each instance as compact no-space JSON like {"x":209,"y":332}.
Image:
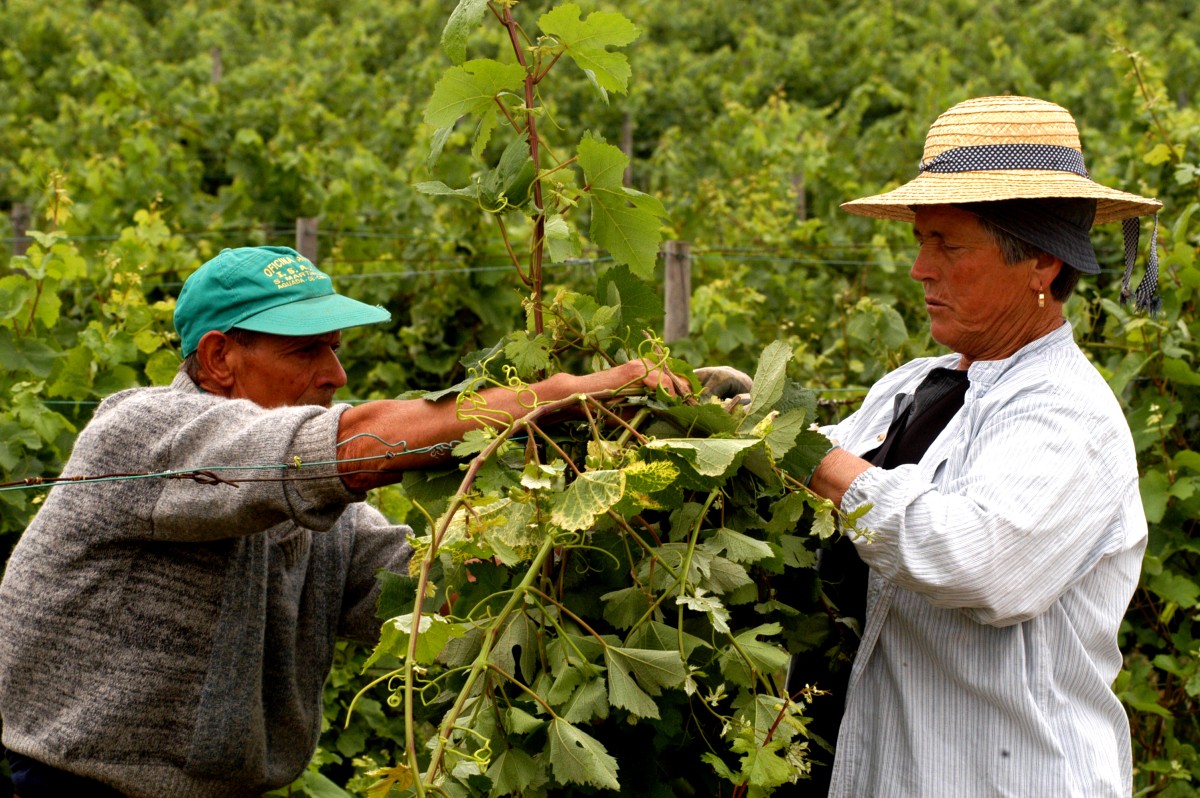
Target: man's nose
{"x":331,"y":373}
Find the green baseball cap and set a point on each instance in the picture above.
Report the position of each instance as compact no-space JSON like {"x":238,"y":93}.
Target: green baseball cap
{"x":265,"y":289}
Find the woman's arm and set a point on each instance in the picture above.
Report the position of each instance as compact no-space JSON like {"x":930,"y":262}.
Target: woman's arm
{"x":836,"y":471}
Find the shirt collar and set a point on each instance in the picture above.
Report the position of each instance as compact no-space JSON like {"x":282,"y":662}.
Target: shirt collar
{"x":986,"y":372}
{"x":183,"y":382}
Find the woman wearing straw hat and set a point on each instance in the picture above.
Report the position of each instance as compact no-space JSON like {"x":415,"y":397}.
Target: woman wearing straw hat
{"x":1007,"y":527}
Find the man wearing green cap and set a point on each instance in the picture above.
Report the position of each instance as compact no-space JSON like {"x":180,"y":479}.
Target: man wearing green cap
{"x":171,"y":637}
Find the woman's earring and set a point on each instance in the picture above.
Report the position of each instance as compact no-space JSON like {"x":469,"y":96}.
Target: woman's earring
{"x":1041,"y":299}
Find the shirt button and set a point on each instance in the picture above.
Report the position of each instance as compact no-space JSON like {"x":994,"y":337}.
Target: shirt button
{"x":881,"y":436}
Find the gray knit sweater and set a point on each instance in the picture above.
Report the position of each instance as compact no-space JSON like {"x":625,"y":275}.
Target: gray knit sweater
{"x":172,"y":638}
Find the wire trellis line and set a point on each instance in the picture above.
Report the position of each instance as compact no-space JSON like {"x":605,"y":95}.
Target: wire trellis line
{"x":212,"y":475}
{"x":357,"y":401}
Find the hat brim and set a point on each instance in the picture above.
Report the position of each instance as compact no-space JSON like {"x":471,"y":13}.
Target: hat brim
{"x":949,"y":188}
{"x":314,"y":316}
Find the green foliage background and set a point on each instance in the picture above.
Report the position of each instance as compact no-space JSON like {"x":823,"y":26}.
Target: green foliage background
{"x":147,"y":135}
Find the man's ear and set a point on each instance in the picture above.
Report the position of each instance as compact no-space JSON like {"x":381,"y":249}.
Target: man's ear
{"x":215,"y":352}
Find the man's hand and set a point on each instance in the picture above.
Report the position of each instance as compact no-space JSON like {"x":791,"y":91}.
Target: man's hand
{"x":726,"y":383}
{"x":651,"y":376}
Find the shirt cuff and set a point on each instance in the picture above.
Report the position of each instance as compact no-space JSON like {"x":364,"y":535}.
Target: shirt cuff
{"x":889,"y":492}
{"x":315,"y":443}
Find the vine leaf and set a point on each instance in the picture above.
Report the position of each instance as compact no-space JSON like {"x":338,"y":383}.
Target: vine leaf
{"x":26,"y":354}
{"x":751,"y":655}
{"x":508,"y":184}
{"x":712,"y":606}
{"x":805,"y":454}
{"x":586,"y":42}
{"x":518,"y":634}
{"x":624,"y":221}
{"x":762,"y":764}
{"x":640,"y":303}
{"x":721,"y":768}
{"x":470,"y":528}
{"x":1155,"y":489}
{"x":785,"y":430}
{"x":623,"y":692}
{"x":436,"y":188}
{"x":590,"y":495}
{"x":518,"y":721}
{"x":513,"y":537}
{"x":514,"y":772}
{"x":696,"y":419}
{"x":400,"y":777}
{"x":397,"y":593}
{"x":623,"y":608}
{"x":724,"y":576}
{"x":1175,"y":588}
{"x":474,"y":441}
{"x":463,"y":20}
{"x":769,"y":380}
{"x":537,"y":476}
{"x":589,"y":701}
{"x":469,"y":383}
{"x":712,"y":457}
{"x":659,"y":635}
{"x":823,"y":524}
{"x":1187,"y":459}
{"x":566,"y":679}
{"x":796,"y":554}
{"x":768,"y":715}
{"x":650,"y":477}
{"x":562,"y":241}
{"x":471,"y":89}
{"x":15,"y":292}
{"x":435,"y":633}
{"x":786,"y":513}
{"x":437,"y":143}
{"x":654,"y":669}
{"x":528,"y":354}
{"x":12,"y":437}
{"x":578,"y":758}
{"x":739,"y":547}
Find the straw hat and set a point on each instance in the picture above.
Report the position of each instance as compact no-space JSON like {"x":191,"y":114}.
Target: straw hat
{"x":1000,"y":148}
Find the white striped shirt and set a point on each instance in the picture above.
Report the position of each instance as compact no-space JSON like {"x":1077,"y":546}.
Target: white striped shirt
{"x":1001,"y":566}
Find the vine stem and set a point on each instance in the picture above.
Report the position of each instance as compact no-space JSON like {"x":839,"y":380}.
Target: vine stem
{"x":512,"y":256}
{"x":37,"y":297}
{"x":563,"y":608}
{"x":539,"y":223}
{"x":481,"y":664}
{"x":422,"y":586}
{"x":562,"y":165}
{"x":630,"y":427}
{"x":687,"y":560}
{"x":538,"y":78}
{"x":741,"y":789}
{"x":514,"y":681}
{"x":554,"y":445}
{"x":1150,"y":102}
{"x":56,"y":192}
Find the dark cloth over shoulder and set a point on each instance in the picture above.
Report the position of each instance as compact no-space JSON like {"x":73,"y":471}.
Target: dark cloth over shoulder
{"x":918,"y":420}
